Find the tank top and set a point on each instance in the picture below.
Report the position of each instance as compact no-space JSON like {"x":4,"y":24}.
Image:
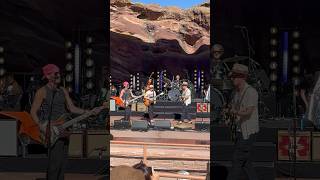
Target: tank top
{"x":58,"y":101}
{"x":126,"y":95}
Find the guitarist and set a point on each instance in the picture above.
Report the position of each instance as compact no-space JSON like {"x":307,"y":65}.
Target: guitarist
{"x":245,"y":108}
{"x":186,"y":98}
{"x":150,"y":96}
{"x":51,"y":102}
{"x":126,"y":95}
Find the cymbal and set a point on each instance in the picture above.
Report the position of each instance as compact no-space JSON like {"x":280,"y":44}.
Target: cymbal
{"x":235,"y":59}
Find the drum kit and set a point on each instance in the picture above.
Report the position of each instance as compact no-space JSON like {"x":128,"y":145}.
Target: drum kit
{"x":173,"y":89}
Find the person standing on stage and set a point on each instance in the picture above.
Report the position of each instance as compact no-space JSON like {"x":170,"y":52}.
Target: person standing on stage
{"x":151,"y":95}
{"x":219,"y":69}
{"x":50,"y":102}
{"x":126,"y":95}
{"x":245,"y":107}
{"x":186,"y":98}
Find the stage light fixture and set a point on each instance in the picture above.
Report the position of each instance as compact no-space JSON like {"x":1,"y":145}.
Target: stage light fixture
{"x":89,"y":85}
{"x":296,"y":69}
{"x":273,"y":65}
{"x":296,"y":34}
{"x":273,"y":77}
{"x":69,"y":67}
{"x":89,"y":51}
{"x":131,"y":75}
{"x":69,"y":55}
{"x":296,"y":80}
{"x":89,"y":73}
{"x":273,"y":30}
{"x":69,"y":78}
{"x":296,"y":46}
{"x":273,"y":53}
{"x":89,"y":62}
{"x":89,"y":39}
{"x":195,"y":70}
{"x":68,"y":44}
{"x":273,"y":42}
{"x":296,"y":58}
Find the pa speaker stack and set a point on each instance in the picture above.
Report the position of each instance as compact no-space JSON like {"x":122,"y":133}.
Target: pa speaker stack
{"x":139,"y":125}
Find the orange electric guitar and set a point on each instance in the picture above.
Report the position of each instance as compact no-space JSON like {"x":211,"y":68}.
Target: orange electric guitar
{"x":122,"y":104}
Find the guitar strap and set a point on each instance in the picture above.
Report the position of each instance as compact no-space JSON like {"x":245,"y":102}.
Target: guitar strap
{"x":239,"y":102}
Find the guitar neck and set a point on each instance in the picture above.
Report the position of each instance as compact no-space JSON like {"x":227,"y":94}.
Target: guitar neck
{"x":75,"y":120}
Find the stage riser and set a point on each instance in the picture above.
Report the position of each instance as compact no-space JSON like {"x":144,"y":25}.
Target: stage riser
{"x":223,"y":151}
{"x":85,"y":166}
{"x":172,"y":109}
{"x":264,"y":172}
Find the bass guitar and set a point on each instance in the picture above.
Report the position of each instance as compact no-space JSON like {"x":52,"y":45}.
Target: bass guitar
{"x":147,"y":102}
{"x":59,"y":126}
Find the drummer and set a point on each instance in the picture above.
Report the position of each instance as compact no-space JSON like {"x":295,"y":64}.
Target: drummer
{"x":219,"y":69}
{"x":176,"y":83}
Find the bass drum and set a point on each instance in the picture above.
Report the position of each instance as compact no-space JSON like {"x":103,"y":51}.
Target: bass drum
{"x":174,"y":95}
{"x":217,"y":102}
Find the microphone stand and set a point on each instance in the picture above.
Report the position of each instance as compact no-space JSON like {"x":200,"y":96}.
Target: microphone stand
{"x":49,"y":132}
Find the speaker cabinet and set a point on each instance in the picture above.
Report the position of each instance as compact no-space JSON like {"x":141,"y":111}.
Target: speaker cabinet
{"x":138,"y":125}
{"x":316,"y":146}
{"x":134,"y":107}
{"x":202,"y":126}
{"x":302,"y":141}
{"x":141,"y":107}
{"x":162,"y":124}
{"x":8,"y":137}
{"x":97,"y":143}
{"x":76,"y":145}
{"x":121,"y":124}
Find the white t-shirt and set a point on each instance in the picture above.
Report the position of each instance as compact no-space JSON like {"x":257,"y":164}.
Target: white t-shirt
{"x":150,"y":95}
{"x":187,"y":93}
{"x":250,"y":124}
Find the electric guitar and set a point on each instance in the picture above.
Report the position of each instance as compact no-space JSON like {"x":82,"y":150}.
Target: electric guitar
{"x":123,"y":104}
{"x":147,"y":102}
{"x":231,"y":120}
{"x":59,"y":126}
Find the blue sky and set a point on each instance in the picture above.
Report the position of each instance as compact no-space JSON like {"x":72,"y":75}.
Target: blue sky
{"x":179,"y":3}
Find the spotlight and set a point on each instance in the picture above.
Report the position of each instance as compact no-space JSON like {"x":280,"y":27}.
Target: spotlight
{"x":296,"y":69}
{"x":69,"y":78}
{"x":273,"y":30}
{"x":1,"y":60}
{"x":89,"y":51}
{"x":296,"y":34}
{"x":296,"y":46}
{"x":89,"y":62}
{"x":195,"y":78}
{"x":68,"y":44}
{"x":296,"y":58}
{"x":2,"y":71}
{"x":273,"y":65}
{"x":138,"y":74}
{"x":69,"y":67}
{"x":89,"y":39}
{"x":89,"y":85}
{"x":273,"y":77}
{"x":89,"y":73}
{"x":273,"y":53}
{"x":296,"y":81}
{"x":69,"y":55}
{"x":273,"y":88}
{"x":273,"y":42}
{"x":195,"y":70}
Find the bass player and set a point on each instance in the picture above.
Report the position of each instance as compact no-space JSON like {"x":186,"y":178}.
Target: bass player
{"x":50,"y":102}
{"x":126,"y":95}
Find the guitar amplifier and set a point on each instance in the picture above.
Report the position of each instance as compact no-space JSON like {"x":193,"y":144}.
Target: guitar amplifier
{"x":97,"y":143}
{"x":202,"y":107}
{"x":134,"y":107}
{"x":8,"y":137}
{"x":139,"y":125}
{"x":316,"y":146}
{"x":112,"y":105}
{"x":76,"y":144}
{"x":141,"y":107}
{"x":302,"y":142}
